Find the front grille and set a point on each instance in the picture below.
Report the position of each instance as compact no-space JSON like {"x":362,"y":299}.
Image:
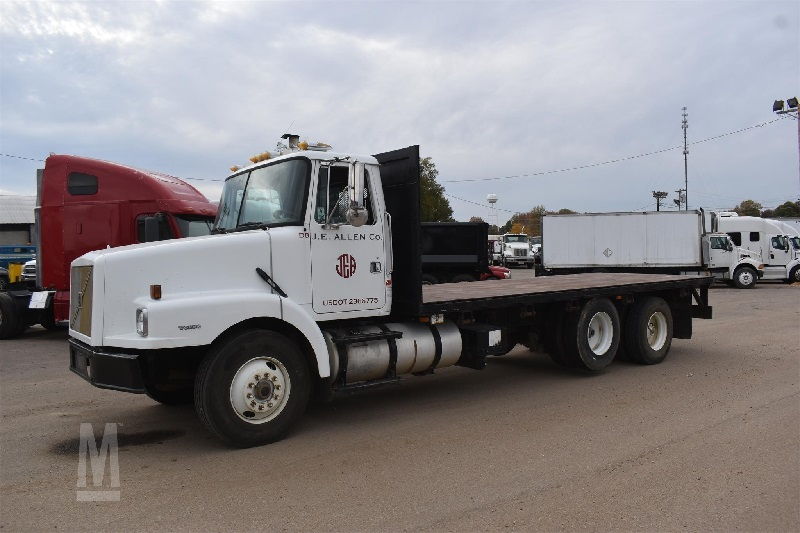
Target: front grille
{"x":80,"y":304}
{"x":518,"y":252}
{"x":30,"y":269}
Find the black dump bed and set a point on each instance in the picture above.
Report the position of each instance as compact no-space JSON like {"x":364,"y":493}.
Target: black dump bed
{"x":451,"y":297}
{"x":455,"y":245}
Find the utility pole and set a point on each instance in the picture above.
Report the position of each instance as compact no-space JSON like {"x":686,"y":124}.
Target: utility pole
{"x":779,"y":108}
{"x":685,"y":126}
{"x":681,"y":198}
{"x":659,"y":195}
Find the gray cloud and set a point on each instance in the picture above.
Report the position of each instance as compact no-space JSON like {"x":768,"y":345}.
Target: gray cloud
{"x":486,"y":89}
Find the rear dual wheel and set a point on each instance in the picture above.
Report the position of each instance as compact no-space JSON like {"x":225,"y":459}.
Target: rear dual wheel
{"x":648,"y":331}
{"x":587,"y":339}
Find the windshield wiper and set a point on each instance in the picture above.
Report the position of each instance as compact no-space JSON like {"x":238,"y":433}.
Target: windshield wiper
{"x":248,"y":226}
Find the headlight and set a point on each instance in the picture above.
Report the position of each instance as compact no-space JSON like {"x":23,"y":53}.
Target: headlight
{"x":141,"y":322}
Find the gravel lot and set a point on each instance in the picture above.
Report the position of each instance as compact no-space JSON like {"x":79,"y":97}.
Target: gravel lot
{"x":706,"y":440}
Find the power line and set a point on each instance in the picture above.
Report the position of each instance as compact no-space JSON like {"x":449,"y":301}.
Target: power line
{"x":617,"y":160}
{"x":21,"y":157}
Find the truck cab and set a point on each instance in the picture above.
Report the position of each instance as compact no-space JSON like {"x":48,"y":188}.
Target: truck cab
{"x":517,"y":250}
{"x":768,"y":240}
{"x":86,"y":204}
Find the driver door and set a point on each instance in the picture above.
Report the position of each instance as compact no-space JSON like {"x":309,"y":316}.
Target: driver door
{"x":347,"y":263}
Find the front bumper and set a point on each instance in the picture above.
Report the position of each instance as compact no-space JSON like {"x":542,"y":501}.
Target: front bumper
{"x":117,"y":371}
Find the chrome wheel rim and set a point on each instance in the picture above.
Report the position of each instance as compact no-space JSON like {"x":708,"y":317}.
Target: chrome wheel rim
{"x":657,"y":330}
{"x":260,"y":390}
{"x":600,"y":333}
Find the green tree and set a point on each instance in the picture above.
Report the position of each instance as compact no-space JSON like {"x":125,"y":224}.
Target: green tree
{"x":748,"y":208}
{"x":788,"y":209}
{"x":434,"y":207}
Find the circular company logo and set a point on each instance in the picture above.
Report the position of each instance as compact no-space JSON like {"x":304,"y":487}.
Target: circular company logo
{"x":346,"y":266}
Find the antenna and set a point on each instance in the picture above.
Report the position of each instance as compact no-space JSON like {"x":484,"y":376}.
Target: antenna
{"x":685,"y":126}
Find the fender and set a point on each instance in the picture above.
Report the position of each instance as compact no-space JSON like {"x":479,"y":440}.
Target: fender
{"x":198,"y":319}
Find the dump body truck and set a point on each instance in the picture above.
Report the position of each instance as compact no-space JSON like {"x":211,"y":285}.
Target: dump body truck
{"x":454,"y":252}
{"x":322,"y":293}
{"x":664,"y":242}
{"x":85,"y":204}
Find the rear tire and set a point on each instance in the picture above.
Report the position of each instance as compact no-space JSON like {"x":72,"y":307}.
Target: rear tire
{"x":251,"y":388}
{"x":590,"y":338}
{"x":648,"y":331}
{"x":745,"y":278}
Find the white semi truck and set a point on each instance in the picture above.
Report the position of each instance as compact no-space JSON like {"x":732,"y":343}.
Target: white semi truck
{"x":769,"y":240}
{"x":674,"y":242}
{"x":317,"y":287}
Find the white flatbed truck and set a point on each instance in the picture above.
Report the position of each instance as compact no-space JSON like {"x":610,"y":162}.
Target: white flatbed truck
{"x":315,"y":263}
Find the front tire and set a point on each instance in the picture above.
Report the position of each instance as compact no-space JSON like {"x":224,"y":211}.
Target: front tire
{"x":745,"y":278}
{"x":252,"y":388}
{"x":794,"y":275}
{"x":648,"y":331}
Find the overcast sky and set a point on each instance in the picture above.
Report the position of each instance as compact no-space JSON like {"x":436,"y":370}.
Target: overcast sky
{"x":487,"y":89}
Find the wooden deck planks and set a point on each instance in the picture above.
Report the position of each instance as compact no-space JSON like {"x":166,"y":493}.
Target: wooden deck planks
{"x":479,"y":290}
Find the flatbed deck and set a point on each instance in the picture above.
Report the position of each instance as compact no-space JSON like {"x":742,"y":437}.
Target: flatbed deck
{"x":448,"y":297}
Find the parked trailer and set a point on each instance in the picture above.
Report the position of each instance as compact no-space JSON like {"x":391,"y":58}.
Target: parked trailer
{"x":667,"y":242}
{"x":86,"y":204}
{"x":308,"y":302}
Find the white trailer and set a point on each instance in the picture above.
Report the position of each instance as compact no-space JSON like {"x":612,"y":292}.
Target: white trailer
{"x":658,"y":241}
{"x":316,"y":262}
{"x":772,"y":243}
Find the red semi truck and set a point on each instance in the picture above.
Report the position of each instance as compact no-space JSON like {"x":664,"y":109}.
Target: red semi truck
{"x":86,"y":204}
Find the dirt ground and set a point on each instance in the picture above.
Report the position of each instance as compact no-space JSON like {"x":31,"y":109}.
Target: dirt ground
{"x":708,"y":440}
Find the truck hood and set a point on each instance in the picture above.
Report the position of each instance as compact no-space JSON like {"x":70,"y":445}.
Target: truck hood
{"x":182,"y":267}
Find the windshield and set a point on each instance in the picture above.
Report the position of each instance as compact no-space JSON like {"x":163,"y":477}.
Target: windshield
{"x":271,"y":195}
{"x":516,"y":238}
{"x":194,"y":225}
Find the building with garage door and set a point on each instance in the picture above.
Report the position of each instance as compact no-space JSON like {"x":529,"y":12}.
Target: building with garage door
{"x":17,"y":219}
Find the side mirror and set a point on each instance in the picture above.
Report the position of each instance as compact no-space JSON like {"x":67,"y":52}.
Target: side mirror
{"x":357,"y":214}
{"x":729,"y":246}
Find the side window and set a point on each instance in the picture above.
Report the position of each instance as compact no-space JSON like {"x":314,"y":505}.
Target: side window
{"x":333,"y":197}
{"x":777,"y":243}
{"x":755,"y":236}
{"x":79,"y":183}
{"x":164,"y":231}
{"x":736,"y":237}
{"x":718,"y":243}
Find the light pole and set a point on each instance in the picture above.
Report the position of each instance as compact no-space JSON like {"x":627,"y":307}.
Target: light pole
{"x":780,"y":109}
{"x":659,"y":195}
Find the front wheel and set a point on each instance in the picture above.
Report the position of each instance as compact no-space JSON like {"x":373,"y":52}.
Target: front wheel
{"x":745,"y":278}
{"x":794,"y":275}
{"x":252,"y":388}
